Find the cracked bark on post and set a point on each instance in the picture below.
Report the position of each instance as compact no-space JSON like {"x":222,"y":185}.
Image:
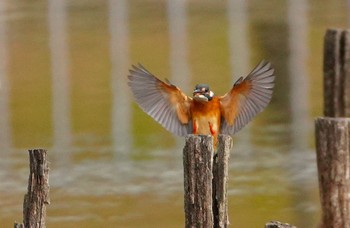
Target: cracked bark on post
{"x":37,"y":197}
{"x":205,"y":181}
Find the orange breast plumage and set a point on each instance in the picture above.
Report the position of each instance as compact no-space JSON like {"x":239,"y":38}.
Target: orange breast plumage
{"x":206,"y":117}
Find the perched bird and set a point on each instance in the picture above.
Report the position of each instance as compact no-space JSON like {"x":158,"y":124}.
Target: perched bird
{"x":204,"y":113}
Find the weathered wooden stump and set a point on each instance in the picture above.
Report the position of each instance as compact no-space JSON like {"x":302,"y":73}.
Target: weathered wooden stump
{"x":220,"y":181}
{"x":336,"y":68}
{"x":37,"y":197}
{"x":205,"y":181}
{"x":333,"y":161}
{"x":333,"y":132}
{"x":276,"y":224}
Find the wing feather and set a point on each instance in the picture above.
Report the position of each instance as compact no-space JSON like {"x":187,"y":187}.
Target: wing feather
{"x":162,"y":101}
{"x":247,"y":98}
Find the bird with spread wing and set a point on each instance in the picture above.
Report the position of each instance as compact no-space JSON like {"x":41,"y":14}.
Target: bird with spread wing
{"x":204,"y":113}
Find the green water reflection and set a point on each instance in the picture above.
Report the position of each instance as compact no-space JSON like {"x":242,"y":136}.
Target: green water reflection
{"x":63,"y":87}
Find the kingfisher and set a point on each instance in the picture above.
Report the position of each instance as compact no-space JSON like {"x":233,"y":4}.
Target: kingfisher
{"x":203,"y":113}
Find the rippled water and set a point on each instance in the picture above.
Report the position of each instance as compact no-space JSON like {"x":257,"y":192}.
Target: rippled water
{"x":63,"y":67}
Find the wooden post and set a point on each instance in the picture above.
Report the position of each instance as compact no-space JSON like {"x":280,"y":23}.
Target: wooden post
{"x":34,"y":205}
{"x":205,"y":181}
{"x":220,"y":181}
{"x":336,"y":70}
{"x":276,"y":224}
{"x":333,"y":153}
{"x":198,"y":166}
{"x":333,"y":133}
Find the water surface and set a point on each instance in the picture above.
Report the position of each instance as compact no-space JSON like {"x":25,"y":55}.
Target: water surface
{"x":63,"y":87}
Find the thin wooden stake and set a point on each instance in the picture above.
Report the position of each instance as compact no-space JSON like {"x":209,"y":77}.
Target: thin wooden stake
{"x":34,"y":205}
{"x":336,"y":70}
{"x":220,"y":181}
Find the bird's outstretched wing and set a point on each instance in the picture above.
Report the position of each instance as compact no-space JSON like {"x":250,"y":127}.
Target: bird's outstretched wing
{"x":162,"y":101}
{"x":248,"y":97}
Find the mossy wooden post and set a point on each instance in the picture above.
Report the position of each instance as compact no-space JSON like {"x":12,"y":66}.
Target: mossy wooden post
{"x":333,"y":132}
{"x":205,"y":181}
{"x":34,"y":205}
